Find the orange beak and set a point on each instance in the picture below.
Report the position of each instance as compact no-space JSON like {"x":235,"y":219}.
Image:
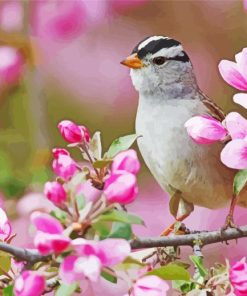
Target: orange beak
{"x":133,"y":62}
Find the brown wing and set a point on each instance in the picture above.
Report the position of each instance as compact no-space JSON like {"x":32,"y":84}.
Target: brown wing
{"x":214,"y":109}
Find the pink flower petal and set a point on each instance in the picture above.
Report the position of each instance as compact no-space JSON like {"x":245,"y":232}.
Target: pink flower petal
{"x":126,"y":161}
{"x":236,"y":125}
{"x":113,"y":251}
{"x":51,"y":243}
{"x":88,"y":190}
{"x":150,"y":286}
{"x":89,"y":267}
{"x":242,"y":64}
{"x":29,"y":283}
{"x":46,"y":223}
{"x":234,"y":154}
{"x":66,"y":271}
{"x":240,"y":99}
{"x":231,"y":75}
{"x":205,"y":129}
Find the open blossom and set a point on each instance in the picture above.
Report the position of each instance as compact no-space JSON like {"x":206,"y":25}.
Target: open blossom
{"x":150,"y":286}
{"x":5,"y":227}
{"x":55,"y":192}
{"x":72,"y":132}
{"x":90,"y":257}
{"x":238,"y":277}
{"x":121,"y":187}
{"x":235,"y":74}
{"x":234,"y":154}
{"x":63,"y":165}
{"x":49,"y":237}
{"x":205,"y":129}
{"x":29,"y":283}
{"x":126,"y":161}
{"x":11,"y":65}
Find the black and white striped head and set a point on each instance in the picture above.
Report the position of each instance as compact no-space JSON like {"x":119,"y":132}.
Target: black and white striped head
{"x":157,"y":61}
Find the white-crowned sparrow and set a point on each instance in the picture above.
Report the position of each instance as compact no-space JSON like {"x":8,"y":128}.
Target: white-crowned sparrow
{"x":163,"y":75}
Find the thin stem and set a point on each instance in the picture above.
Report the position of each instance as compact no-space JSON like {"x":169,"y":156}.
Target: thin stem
{"x":85,"y":149}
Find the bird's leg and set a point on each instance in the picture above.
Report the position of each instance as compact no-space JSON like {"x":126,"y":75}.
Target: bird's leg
{"x":229,"y":223}
{"x":168,"y":230}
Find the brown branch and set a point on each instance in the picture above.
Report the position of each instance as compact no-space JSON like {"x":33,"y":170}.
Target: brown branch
{"x":204,"y":238}
{"x":28,"y":255}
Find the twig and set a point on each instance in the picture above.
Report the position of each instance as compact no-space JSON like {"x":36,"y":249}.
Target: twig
{"x":205,"y":238}
{"x":29,"y":255}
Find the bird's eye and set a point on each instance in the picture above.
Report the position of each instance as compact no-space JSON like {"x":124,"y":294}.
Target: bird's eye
{"x":159,"y":60}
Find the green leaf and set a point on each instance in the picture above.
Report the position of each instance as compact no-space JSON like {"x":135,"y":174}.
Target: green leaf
{"x":171,"y":272}
{"x":81,"y":201}
{"x":102,"y":228}
{"x":5,"y":262}
{"x":100,"y":164}
{"x":59,"y":215}
{"x":109,"y":277}
{"x":120,"y":230}
{"x":119,"y":216}
{"x":95,"y":145}
{"x":239,"y":182}
{"x":66,"y":290}
{"x":121,"y":144}
{"x":198,"y":262}
{"x":132,"y":261}
{"x":8,"y":291}
{"x":183,"y":286}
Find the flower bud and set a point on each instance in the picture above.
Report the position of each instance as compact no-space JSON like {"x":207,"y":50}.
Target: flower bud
{"x":64,"y":166}
{"x":29,"y":283}
{"x":5,"y":227}
{"x":58,"y":151}
{"x":121,"y":187}
{"x":55,"y":192}
{"x":71,"y":132}
{"x":205,"y":129}
{"x":150,"y":285}
{"x":126,"y":161}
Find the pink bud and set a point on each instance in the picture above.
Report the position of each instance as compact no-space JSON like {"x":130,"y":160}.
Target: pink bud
{"x":88,"y":190}
{"x":51,"y":243}
{"x":5,"y":227}
{"x":11,"y":65}
{"x":70,"y":131}
{"x":126,"y":161}
{"x":238,"y":277}
{"x":121,"y":187}
{"x":55,"y":192}
{"x":29,"y":283}
{"x":150,"y":285}
{"x":205,"y":129}
{"x":49,"y":237}
{"x":64,"y":166}
{"x":85,"y":132}
{"x":58,"y":151}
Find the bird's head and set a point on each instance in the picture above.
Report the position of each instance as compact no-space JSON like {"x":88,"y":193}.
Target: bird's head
{"x":157,"y":62}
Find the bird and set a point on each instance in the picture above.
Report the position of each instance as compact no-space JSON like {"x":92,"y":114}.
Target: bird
{"x":162,"y":73}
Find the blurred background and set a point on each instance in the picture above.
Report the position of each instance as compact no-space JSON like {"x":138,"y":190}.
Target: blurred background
{"x":61,"y":60}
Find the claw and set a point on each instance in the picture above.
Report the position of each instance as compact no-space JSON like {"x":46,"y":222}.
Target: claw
{"x":229,"y":223}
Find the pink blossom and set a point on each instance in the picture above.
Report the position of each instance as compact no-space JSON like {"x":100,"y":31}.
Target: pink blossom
{"x":234,"y":154}
{"x":55,"y":192}
{"x":238,"y":277}
{"x":90,"y":257}
{"x":29,"y":283}
{"x":235,"y":74}
{"x":121,"y":187}
{"x":11,"y":65}
{"x":236,"y":125}
{"x":71,"y":132}
{"x":11,"y":16}
{"x":205,"y":129}
{"x":67,"y":20}
{"x":110,"y":251}
{"x":85,"y":132}
{"x":88,"y":191}
{"x":49,"y":237}
{"x":75,"y":268}
{"x":64,"y":166}
{"x":150,"y":286}
{"x":126,"y":161}
{"x":5,"y":227}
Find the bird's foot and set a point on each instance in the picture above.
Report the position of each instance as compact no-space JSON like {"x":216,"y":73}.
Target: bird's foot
{"x":229,"y":223}
{"x":173,"y":227}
